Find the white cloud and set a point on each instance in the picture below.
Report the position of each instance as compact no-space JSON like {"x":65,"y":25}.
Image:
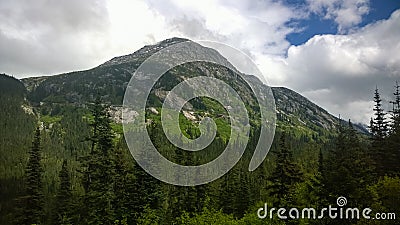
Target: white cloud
{"x":356,"y":110}
{"x":346,"y":13}
{"x":340,"y":72}
{"x":45,"y":37}
{"x":248,"y":25}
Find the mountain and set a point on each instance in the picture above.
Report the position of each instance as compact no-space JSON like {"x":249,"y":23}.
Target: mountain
{"x":60,"y":103}
{"x":110,"y":79}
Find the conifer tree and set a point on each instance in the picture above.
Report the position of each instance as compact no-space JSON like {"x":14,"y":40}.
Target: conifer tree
{"x":316,"y":185}
{"x":99,"y":175}
{"x":227,"y":188}
{"x":285,"y":175}
{"x":124,"y":187}
{"x":379,"y":130}
{"x":348,"y":169}
{"x":32,"y":202}
{"x":378,"y":124}
{"x":393,"y":150}
{"x":64,"y":196}
{"x":146,"y":189}
{"x":395,"y":126}
{"x":241,"y":193}
{"x":234,"y":187}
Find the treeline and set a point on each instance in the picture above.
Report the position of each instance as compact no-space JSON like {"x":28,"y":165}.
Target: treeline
{"x":98,"y":182}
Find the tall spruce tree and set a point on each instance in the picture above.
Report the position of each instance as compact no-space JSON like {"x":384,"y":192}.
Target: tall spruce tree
{"x":316,"y":185}
{"x":32,"y":202}
{"x":395,"y":125}
{"x":378,"y":124}
{"x":285,"y":175}
{"x":348,"y":168}
{"x":64,"y":197}
{"x":393,"y":150}
{"x":379,"y":130}
{"x":145,"y":189}
{"x":234,"y":197}
{"x":124,"y":186}
{"x":98,"y":177}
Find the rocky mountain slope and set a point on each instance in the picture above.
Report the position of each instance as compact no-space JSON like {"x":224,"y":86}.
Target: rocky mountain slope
{"x":110,"y":79}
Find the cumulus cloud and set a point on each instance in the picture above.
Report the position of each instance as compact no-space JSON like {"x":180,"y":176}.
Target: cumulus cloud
{"x":249,"y":25}
{"x":340,"y":72}
{"x":42,"y":37}
{"x":47,"y":37}
{"x":337,"y":72}
{"x":346,"y":13}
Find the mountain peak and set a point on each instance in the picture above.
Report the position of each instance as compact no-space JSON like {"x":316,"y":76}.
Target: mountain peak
{"x":110,"y":80}
{"x":172,"y":40}
{"x":144,"y":52}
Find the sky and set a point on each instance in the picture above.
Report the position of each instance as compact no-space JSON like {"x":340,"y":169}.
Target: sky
{"x":334,"y":52}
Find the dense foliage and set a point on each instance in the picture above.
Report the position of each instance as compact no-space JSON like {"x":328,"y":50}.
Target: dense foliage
{"x":78,"y":169}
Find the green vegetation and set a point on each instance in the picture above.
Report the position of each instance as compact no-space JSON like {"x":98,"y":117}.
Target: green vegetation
{"x":31,"y":203}
{"x":47,"y":119}
{"x":78,"y":169}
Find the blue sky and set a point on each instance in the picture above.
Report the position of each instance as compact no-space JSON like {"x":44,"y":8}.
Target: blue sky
{"x":316,"y":24}
{"x":334,"y":52}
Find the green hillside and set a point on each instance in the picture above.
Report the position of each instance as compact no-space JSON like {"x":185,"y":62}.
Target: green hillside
{"x":88,"y":176}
